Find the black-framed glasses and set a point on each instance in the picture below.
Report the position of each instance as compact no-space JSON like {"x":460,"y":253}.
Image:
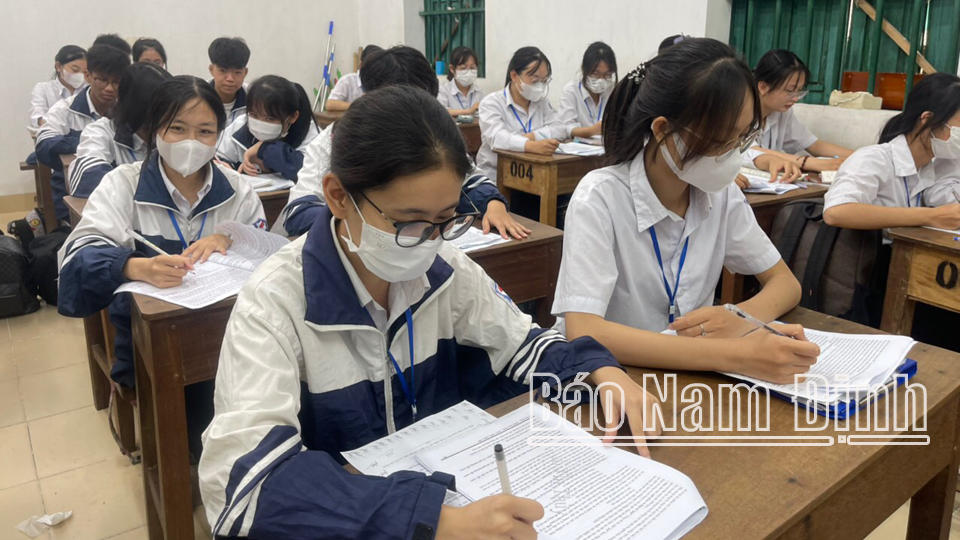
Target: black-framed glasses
{"x":414,"y":233}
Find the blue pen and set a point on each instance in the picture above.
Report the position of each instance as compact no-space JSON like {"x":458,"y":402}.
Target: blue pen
{"x":956,"y":238}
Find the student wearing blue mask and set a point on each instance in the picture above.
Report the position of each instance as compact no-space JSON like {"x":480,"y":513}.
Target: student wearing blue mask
{"x":519,"y":117}
{"x":583,"y":99}
{"x":274,"y":133}
{"x":110,"y":142}
{"x":365,"y":325}
{"x":175,"y":198}
{"x":68,"y":79}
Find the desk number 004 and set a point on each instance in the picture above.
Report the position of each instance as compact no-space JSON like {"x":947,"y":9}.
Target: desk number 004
{"x":519,"y":170}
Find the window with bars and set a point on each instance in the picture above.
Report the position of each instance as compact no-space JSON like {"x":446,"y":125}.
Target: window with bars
{"x":453,"y":23}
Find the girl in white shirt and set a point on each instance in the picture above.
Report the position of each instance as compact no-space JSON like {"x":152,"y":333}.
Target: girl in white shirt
{"x":70,"y":65}
{"x":520,"y":117}
{"x":915,"y":166}
{"x":646,"y":238}
{"x":785,"y":144}
{"x":459,"y":94}
{"x":583,"y":99}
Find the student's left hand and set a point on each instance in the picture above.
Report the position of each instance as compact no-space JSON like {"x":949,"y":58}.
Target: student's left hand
{"x":634,"y":403}
{"x":712,"y":322}
{"x":742,"y":181}
{"x":252,"y":165}
{"x":497,"y":216}
{"x":204,"y":247}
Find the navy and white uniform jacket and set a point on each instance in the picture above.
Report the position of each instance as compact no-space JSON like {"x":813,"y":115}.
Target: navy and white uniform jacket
{"x":101,"y":150}
{"x":277,"y":155}
{"x":304,"y":374}
{"x":45,"y":94}
{"x":239,"y":103}
{"x":60,"y":132}
{"x":306,"y":198}
{"x":93,"y":256}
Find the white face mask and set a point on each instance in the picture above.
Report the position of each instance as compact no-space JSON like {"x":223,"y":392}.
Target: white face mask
{"x":534,"y":92}
{"x":707,"y":173}
{"x":597,"y":85}
{"x":73,"y":79}
{"x":187,"y":156}
{"x":380,"y":253}
{"x":948,"y":149}
{"x":466,"y":76}
{"x":264,"y":131}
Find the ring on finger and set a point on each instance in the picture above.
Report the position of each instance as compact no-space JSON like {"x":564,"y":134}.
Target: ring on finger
{"x":703,"y":332}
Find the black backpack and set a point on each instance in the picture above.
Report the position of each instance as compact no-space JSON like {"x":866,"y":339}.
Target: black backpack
{"x":15,"y":298}
{"x":43,"y":274}
{"x":843,"y":272}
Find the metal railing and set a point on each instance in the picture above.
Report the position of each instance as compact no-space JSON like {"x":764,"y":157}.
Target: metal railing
{"x":453,"y":23}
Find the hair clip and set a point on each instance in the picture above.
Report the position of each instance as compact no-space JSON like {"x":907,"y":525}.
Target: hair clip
{"x":638,"y":73}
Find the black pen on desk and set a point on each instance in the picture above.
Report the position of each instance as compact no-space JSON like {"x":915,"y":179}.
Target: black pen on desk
{"x":752,"y":320}
{"x":501,"y":458}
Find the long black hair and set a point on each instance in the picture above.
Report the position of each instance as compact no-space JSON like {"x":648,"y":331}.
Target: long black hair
{"x":698,"y":84}
{"x":137,"y":85}
{"x":67,"y":54}
{"x":938,"y":93}
{"x":597,"y":52}
{"x":276,"y":97}
{"x":400,"y":65}
{"x":458,"y":57}
{"x":527,"y":60}
{"x":169,"y":99}
{"x":777,"y":67}
{"x":417,"y":130}
{"x":143,"y":44}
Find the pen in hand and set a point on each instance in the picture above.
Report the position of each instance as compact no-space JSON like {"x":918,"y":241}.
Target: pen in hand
{"x":753,"y":320}
{"x":501,"y":458}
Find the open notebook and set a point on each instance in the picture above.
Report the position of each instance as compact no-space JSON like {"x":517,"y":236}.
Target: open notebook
{"x":221,"y":276}
{"x":760,"y":183}
{"x":588,"y":490}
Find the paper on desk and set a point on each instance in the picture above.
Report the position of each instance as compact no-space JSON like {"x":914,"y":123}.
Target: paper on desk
{"x":588,"y":491}
{"x":956,"y":232}
{"x":580,"y":149}
{"x":474,"y":239}
{"x":397,"y":452}
{"x":760,"y":182}
{"x":251,"y":246}
{"x":37,"y":525}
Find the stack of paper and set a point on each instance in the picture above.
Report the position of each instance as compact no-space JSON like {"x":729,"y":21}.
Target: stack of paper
{"x":221,"y":276}
{"x":263,"y":183}
{"x":596,"y":140}
{"x":760,"y":183}
{"x":474,"y":239}
{"x":857,"y":363}
{"x":580,"y":149}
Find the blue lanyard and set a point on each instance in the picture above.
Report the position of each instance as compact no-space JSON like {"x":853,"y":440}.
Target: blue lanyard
{"x":671,"y":295}
{"x":908,"y":193}
{"x":586,"y":101}
{"x":525,"y":128}
{"x":460,"y":101}
{"x":410,"y":392}
{"x":183,"y":241}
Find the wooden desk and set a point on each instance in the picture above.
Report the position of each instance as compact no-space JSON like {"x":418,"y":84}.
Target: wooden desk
{"x":66,"y":160}
{"x":837,"y":492}
{"x":42,"y":178}
{"x":925,"y":267}
{"x":325,"y":118}
{"x":175,"y":346}
{"x":471,"y":136}
{"x":546,"y":176}
{"x":765,"y":208}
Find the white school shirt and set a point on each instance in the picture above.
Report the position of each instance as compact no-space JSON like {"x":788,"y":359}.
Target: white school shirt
{"x":882,"y":175}
{"x":503,"y":124}
{"x":577,"y":108}
{"x":609,"y":266}
{"x":783,"y":132}
{"x":347,"y":88}
{"x":45,"y":95}
{"x":183,"y":205}
{"x":451,"y":97}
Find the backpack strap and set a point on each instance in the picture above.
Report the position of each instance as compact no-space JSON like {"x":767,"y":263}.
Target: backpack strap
{"x":816,"y":263}
{"x":793,"y":230}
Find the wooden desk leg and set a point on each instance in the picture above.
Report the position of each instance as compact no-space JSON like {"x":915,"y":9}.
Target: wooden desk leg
{"x":731,"y":292}
{"x":43,"y":177}
{"x":545,"y":305}
{"x":166,"y":460}
{"x":93,"y":333}
{"x":897,"y":308}
{"x":931,"y":509}
{"x":548,"y":199}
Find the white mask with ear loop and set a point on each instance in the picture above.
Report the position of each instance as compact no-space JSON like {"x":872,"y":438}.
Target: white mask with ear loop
{"x":73,"y":79}
{"x":380,"y":253}
{"x":187,"y":156}
{"x":264,"y":131}
{"x":948,"y":149}
{"x":711,"y":174}
{"x":535,"y":91}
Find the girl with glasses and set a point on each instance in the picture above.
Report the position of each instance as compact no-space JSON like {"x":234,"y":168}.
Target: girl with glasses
{"x":583,"y":99}
{"x":647,"y":237}
{"x":785,"y":145}
{"x":363,"y":326}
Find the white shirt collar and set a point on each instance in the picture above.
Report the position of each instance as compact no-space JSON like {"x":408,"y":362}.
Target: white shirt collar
{"x":183,"y":205}
{"x":402,"y":295}
{"x":903,"y":164}
{"x":651,"y":211}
